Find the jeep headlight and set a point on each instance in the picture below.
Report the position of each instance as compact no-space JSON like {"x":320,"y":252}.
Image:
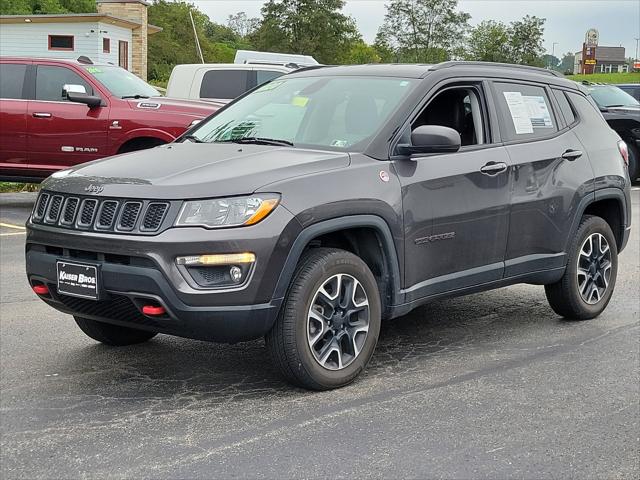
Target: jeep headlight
{"x":226,"y":212}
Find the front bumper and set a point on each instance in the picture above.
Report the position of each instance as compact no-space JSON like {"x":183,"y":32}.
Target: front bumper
{"x":136,"y":270}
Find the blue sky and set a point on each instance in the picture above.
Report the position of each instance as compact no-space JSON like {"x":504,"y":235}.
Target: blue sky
{"x":567,"y":20}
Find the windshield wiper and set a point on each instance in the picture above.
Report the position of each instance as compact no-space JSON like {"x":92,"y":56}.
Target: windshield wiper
{"x":136,"y":96}
{"x":193,"y":138}
{"x":262,"y":141}
{"x":614,"y":106}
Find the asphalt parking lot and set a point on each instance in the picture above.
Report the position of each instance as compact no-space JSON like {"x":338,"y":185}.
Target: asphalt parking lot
{"x":493,"y":385}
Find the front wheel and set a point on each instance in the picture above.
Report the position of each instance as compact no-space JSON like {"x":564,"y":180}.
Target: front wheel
{"x":329,"y":323}
{"x":588,"y":282}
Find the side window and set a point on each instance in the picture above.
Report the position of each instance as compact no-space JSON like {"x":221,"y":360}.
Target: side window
{"x":12,"y":75}
{"x":586,"y":108}
{"x":224,"y":83}
{"x":525,"y":110}
{"x":565,"y":107}
{"x":263,"y":76}
{"x":459,"y":108}
{"x":50,"y":80}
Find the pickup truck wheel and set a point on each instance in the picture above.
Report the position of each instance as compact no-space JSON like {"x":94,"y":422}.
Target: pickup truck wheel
{"x":113,"y":335}
{"x":588,"y":282}
{"x":329,"y":323}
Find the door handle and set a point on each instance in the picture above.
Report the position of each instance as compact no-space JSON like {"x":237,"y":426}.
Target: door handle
{"x":571,"y":155}
{"x":493,"y":168}
{"x":41,"y":115}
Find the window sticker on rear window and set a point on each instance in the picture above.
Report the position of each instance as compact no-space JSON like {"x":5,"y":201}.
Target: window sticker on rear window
{"x":528,"y":112}
{"x":93,"y":70}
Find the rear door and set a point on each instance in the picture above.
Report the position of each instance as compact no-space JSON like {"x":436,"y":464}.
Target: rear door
{"x":551,"y":173}
{"x":63,"y":133}
{"x":13,"y":118}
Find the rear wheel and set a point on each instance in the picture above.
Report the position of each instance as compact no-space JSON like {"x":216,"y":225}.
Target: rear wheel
{"x":329,"y":324}
{"x":114,"y":335}
{"x":588,"y":282}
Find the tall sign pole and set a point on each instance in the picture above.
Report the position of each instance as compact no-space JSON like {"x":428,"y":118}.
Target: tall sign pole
{"x":589,"y":51}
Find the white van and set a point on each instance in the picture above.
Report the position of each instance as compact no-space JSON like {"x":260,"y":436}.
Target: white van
{"x":222,"y":82}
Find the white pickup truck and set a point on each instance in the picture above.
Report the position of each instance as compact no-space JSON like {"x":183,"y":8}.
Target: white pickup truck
{"x":222,"y":82}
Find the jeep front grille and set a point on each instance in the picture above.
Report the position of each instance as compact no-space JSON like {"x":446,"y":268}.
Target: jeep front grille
{"x":102,"y":214}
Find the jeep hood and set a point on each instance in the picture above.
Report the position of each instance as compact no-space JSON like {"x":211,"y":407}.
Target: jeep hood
{"x":193,"y":170}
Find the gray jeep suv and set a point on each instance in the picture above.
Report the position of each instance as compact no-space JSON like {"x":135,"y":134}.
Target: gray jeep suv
{"x":319,"y":204}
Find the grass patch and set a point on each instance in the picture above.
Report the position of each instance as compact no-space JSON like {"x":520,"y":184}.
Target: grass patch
{"x":608,"y":77}
{"x":7,"y":187}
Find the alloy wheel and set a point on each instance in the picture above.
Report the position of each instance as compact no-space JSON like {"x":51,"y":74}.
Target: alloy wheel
{"x":338,"y":321}
{"x":594,"y":268}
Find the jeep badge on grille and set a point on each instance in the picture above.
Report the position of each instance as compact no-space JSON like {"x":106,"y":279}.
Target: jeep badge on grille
{"x":94,"y":189}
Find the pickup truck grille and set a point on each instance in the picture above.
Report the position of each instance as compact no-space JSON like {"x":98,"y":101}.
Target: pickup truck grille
{"x":102,"y":215}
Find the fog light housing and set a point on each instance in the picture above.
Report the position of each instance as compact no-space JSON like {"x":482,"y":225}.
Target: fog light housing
{"x":217,"y":271}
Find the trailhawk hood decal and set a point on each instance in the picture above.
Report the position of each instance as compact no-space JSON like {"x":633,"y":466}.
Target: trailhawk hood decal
{"x":193,"y":170}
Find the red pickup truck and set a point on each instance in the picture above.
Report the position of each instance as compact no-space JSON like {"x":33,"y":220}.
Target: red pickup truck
{"x":58,"y":113}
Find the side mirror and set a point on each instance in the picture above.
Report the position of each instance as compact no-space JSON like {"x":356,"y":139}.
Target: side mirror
{"x":92,"y":101}
{"x":432,"y":139}
{"x":71,"y":88}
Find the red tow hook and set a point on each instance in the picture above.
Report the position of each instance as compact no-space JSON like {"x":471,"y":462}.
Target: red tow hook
{"x":41,"y":289}
{"x":153,"y":310}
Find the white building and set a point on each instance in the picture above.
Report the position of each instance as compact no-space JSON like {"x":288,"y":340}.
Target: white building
{"x":116,"y":34}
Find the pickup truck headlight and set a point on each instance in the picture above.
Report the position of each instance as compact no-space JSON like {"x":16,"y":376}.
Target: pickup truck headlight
{"x":226,"y":212}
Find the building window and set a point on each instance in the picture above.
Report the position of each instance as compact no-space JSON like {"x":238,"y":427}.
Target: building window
{"x":106,"y":45}
{"x":60,"y":42}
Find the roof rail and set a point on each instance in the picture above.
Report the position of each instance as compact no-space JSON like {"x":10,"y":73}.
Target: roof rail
{"x":310,"y":67}
{"x":543,"y":71}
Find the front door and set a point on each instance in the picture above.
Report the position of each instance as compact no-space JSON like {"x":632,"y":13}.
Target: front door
{"x":13,"y":119}
{"x":123,"y":54}
{"x":456,"y":206}
{"x":63,"y":133}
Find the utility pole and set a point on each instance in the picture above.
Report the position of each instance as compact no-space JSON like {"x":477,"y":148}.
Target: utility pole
{"x":195,"y":34}
{"x":553,"y":54}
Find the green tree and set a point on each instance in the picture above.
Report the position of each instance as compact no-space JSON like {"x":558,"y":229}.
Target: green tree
{"x":310,"y":27}
{"x":25,"y":7}
{"x":526,"y":41}
{"x":360,"y":53}
{"x":519,"y":42}
{"x":551,"y":61}
{"x":424,"y":30}
{"x":489,"y":42}
{"x":242,"y":25}
{"x":567,"y":62}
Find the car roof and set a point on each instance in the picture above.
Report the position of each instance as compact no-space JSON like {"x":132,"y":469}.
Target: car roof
{"x":49,"y":59}
{"x":418,"y":71}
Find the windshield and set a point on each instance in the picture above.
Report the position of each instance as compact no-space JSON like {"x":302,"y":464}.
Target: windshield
{"x":336,"y":112}
{"x":610,"y":96}
{"x":122,"y":83}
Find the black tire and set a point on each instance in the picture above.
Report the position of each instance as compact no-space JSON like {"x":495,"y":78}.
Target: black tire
{"x":113,"y":335}
{"x":140,"y":144}
{"x":634,"y":163}
{"x":288,"y":341}
{"x":564,"y":296}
